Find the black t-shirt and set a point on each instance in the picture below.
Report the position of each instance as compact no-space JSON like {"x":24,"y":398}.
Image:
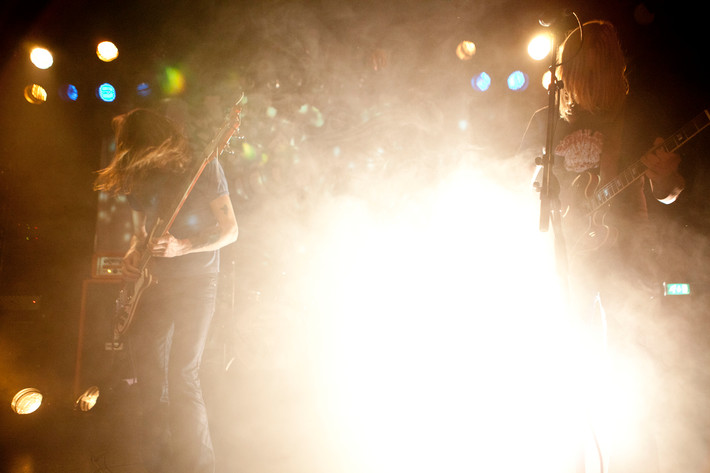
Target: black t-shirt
{"x":158,"y":196}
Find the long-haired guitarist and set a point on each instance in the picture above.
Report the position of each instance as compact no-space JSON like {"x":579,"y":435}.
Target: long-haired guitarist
{"x":610,"y":240}
{"x":608,"y":247}
{"x":153,"y":163}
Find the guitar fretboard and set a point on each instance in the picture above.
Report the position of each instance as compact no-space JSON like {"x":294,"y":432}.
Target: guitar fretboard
{"x":606,"y":192}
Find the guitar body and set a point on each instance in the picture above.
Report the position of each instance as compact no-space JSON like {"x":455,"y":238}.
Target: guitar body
{"x":587,"y":202}
{"x":586,"y":223}
{"x":127,"y":303}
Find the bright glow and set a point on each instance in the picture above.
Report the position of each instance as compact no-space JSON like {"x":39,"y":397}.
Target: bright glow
{"x":106,"y":92}
{"x":465,"y":50}
{"x":106,"y":51}
{"x":173,"y":81}
{"x":35,"y":94}
{"x":26,"y":401}
{"x":540,"y":47}
{"x":88,"y":399}
{"x":481,"y":82}
{"x":441,"y":336}
{"x":41,"y":58}
{"x":517,"y":81}
{"x":546,"y":79}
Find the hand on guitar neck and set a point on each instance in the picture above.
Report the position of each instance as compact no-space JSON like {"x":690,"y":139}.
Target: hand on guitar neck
{"x":662,"y":170}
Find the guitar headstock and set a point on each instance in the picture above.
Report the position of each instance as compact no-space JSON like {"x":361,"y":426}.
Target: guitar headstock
{"x":229,"y":127}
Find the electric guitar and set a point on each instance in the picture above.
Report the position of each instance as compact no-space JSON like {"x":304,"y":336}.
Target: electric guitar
{"x":594,"y":200}
{"x":132,"y":291}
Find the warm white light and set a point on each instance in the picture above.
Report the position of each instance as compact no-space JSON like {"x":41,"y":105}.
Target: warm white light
{"x":26,"y":401}
{"x":35,"y":94}
{"x":107,"y":51}
{"x":41,"y":58}
{"x":88,"y":399}
{"x":540,"y":47}
{"x":546,"y":79}
{"x":465,"y":50}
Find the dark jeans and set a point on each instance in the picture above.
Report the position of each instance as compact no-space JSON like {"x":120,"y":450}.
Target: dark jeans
{"x":167,"y":342}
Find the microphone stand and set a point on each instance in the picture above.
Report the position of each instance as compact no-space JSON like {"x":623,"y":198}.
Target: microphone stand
{"x":550,"y":212}
{"x":550,"y":206}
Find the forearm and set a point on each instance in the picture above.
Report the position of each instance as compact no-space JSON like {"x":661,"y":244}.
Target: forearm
{"x":211,"y":239}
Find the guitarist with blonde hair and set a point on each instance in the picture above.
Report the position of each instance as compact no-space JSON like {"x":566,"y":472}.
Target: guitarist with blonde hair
{"x":153,"y":166}
{"x":609,"y":242}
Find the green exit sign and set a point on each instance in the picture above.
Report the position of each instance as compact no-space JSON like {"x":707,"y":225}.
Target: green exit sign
{"x":676,"y":289}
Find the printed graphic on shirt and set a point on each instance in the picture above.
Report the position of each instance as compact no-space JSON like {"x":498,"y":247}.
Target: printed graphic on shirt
{"x":581,"y":150}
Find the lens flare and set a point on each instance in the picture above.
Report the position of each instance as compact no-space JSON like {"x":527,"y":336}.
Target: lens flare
{"x":174,"y":82}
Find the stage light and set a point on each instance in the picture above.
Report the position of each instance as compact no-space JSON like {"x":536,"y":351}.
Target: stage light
{"x":69,"y":92}
{"x":465,"y":50}
{"x":106,"y":51}
{"x":26,"y":401}
{"x":35,"y":94}
{"x":88,"y":399}
{"x":540,"y":47}
{"x":481,"y":82}
{"x":517,"y":81}
{"x":143,"y":89}
{"x":106,"y":92}
{"x":41,"y":58}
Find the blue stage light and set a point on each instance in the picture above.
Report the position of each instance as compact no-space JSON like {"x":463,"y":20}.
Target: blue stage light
{"x":106,"y":92}
{"x":69,"y":92}
{"x":143,"y":89}
{"x":518,"y":80}
{"x":481,"y":82}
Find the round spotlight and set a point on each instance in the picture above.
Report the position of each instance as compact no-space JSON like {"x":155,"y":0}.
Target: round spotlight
{"x":106,"y":92}
{"x":465,"y":50}
{"x":35,"y":94}
{"x":88,"y":399}
{"x":518,"y":81}
{"x":26,"y":401}
{"x":41,"y":58}
{"x":540,"y":47}
{"x":106,"y":51}
{"x":481,"y":82}
{"x":69,"y":92}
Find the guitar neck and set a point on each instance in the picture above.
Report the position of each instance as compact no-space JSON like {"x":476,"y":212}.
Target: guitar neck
{"x":212,"y":151}
{"x":611,"y":189}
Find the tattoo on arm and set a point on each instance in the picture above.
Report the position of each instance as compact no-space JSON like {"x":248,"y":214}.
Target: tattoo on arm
{"x":225,"y":209}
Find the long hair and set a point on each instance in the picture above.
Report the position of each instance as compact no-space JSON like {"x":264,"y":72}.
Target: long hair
{"x":594,"y":72}
{"x":145,"y":142}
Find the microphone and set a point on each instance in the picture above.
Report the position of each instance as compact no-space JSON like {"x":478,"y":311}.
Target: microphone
{"x":549,"y":19}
